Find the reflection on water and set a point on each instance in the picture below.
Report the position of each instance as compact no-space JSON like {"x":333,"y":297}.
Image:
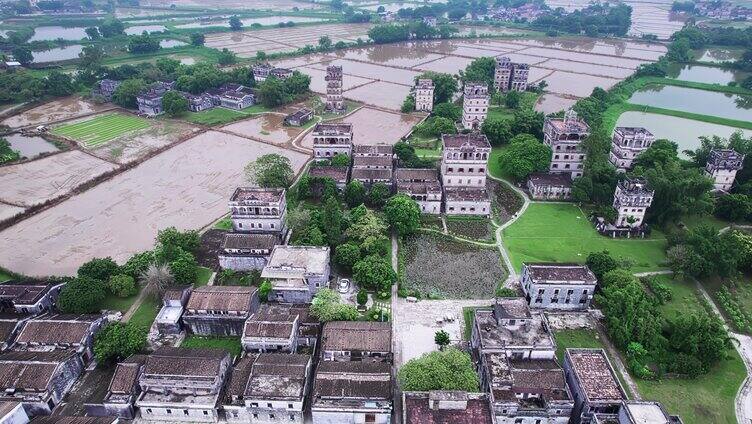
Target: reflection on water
{"x":706,"y":74}
{"x":139,"y":29}
{"x":685,"y":132}
{"x":58,"y":54}
{"x":45,"y":33}
{"x":732,"y":106}
{"x":718,"y":55}
{"x":268,"y":20}
{"x":30,"y":146}
{"x":166,"y":44}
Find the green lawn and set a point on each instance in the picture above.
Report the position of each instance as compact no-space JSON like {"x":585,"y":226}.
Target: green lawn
{"x":146,"y":313}
{"x":230,"y":344}
{"x":493,"y":163}
{"x":706,"y":399}
{"x":221,"y":115}
{"x":202,"y":277}
{"x":224,"y":224}
{"x":122,"y":304}
{"x":578,"y":338}
{"x":500,"y":112}
{"x":694,"y":221}
{"x":561,"y":232}
{"x":684,"y":297}
{"x":99,"y":130}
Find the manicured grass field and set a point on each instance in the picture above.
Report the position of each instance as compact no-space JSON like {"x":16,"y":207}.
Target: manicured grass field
{"x":122,"y":304}
{"x":561,"y":232}
{"x":230,"y":344}
{"x":99,"y":130}
{"x":224,"y":224}
{"x":221,"y":115}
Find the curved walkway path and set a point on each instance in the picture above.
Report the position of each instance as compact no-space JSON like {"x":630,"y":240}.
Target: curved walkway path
{"x":500,"y":227}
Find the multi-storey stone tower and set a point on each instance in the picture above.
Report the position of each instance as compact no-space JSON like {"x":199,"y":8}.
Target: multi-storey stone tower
{"x":632,"y":199}
{"x":474,"y":105}
{"x":627,"y":144}
{"x":424,"y":95}
{"x":334,"y":100}
{"x":520,"y":73}
{"x":463,"y":174}
{"x":564,"y":136}
{"x":722,"y":167}
{"x":510,"y":76}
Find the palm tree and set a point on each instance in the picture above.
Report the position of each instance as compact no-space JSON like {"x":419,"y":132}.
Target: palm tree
{"x":156,"y":279}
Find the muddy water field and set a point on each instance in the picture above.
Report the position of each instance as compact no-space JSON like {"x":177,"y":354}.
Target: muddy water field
{"x":54,"y":111}
{"x":187,"y":186}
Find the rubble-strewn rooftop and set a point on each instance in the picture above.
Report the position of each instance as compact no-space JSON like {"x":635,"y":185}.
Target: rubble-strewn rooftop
{"x":542,"y":273}
{"x":244,"y":194}
{"x":250,"y":241}
{"x":595,"y":375}
{"x":438,"y":408}
{"x":462,"y":140}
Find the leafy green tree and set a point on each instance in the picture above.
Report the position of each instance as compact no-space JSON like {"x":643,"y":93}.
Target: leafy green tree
{"x":375,"y":273}
{"x":512,"y":99}
{"x":265,"y":290}
{"x":403,"y":214}
{"x":408,"y":105}
{"x":701,"y":336}
{"x":118,"y":340}
{"x":733,"y":207}
{"x":498,"y":131}
{"x":272,"y":93}
{"x":601,"y":263}
{"x":197,"y":39}
{"x":111,"y":28}
{"x":226,"y":57}
{"x":450,"y":369}
{"x":235,"y":23}
{"x":270,"y":170}
{"x":59,"y":84}
{"x":679,"y":51}
{"x":362,"y":297}
{"x":441,"y":338}
{"x":311,"y":236}
{"x":91,"y":58}
{"x":346,"y":255}
{"x":378,"y":195}
{"x":143,"y":43}
{"x":355,"y":193}
{"x":325,"y":43}
{"x":92,"y":33}
{"x":375,"y":245}
{"x":23,"y":55}
{"x":524,"y":156}
{"x":184,"y":268}
{"x":528,"y":121}
{"x":480,"y":70}
{"x":99,"y":269}
{"x":332,"y":221}
{"x":82,"y":295}
{"x":389,"y":33}
{"x":174,"y":103}
{"x":327,"y":306}
{"x":444,"y":87}
{"x":122,"y":285}
{"x":260,"y":56}
{"x":7,"y":154}
{"x":449,"y":111}
{"x":125,"y":94}
{"x":364,"y":226}
{"x":171,"y":242}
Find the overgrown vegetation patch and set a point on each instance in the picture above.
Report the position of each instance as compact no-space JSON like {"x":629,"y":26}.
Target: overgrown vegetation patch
{"x":439,"y":266}
{"x":474,"y":228}
{"x":505,"y":202}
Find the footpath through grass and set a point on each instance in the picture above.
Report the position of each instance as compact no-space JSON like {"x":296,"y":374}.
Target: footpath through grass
{"x":561,"y":232}
{"x":101,"y":129}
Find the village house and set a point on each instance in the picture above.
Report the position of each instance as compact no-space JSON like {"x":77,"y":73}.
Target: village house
{"x":39,"y":380}
{"x":10,"y":326}
{"x":626,"y":144}
{"x":467,"y":201}
{"x":510,"y":76}
{"x":421,"y":185}
{"x":446,"y":407}
{"x":29,"y":297}
{"x":545,"y":186}
{"x":430,"y":21}
{"x":553,"y":286}
{"x":183,"y":385}
{"x":632,"y":198}
{"x":722,"y":166}
{"x":299,"y":117}
{"x":336,"y":173}
{"x":106,"y":88}
{"x":335,"y":103}
{"x":273,"y":328}
{"x":594,"y":384}
{"x":639,"y":412}
{"x":352,"y":393}
{"x":198,"y":102}
{"x":525,"y":390}
{"x":122,"y":392}
{"x":12,"y":412}
{"x":463,"y":174}
{"x":75,"y":420}
{"x":372,"y":169}
{"x":565,"y":136}
{"x":261,"y":71}
{"x":258,"y":210}
{"x":330,"y":139}
{"x":512,"y":329}
{"x":246,"y":252}
{"x":237,"y":100}
{"x":150,"y":102}
{"x":267,"y":388}
{"x":424,"y":95}
{"x":281,"y":73}
{"x":220,"y":310}
{"x":297,"y":273}
{"x":356,"y":341}
{"x":168,"y":320}
{"x":73,"y":333}
{"x":382,"y":150}
{"x":474,"y":105}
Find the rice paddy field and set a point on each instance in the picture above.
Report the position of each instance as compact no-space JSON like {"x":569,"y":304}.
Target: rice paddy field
{"x":101,"y":129}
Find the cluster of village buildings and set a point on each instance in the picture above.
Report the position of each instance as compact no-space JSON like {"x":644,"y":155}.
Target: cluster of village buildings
{"x":723,"y":10}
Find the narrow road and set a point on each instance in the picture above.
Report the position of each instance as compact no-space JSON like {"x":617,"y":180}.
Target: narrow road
{"x":743,"y":345}
{"x":512,"y":278}
{"x":132,"y":310}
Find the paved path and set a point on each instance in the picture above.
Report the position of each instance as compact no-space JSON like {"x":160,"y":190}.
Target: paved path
{"x":512,"y":278}
{"x":649,"y":273}
{"x":744,"y":347}
{"x":132,"y":310}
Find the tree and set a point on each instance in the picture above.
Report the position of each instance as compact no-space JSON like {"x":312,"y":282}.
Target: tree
{"x":365,"y":226}
{"x":137,"y":264}
{"x":378,"y":195}
{"x":184,"y":268}
{"x":272,"y":93}
{"x":125,"y":94}
{"x":480,"y":70}
{"x":90,"y":58}
{"x":375,"y":273}
{"x":442,"y":339}
{"x":362,"y":297}
{"x":235,"y":23}
{"x":327,"y":306}
{"x":117,"y":341}
{"x":156,"y":278}
{"x":99,"y":269}
{"x":174,"y":103}
{"x":450,"y":369}
{"x":444,"y":87}
{"x":260,"y":56}
{"x":197,"y":39}
{"x":325,"y":43}
{"x":92,"y":33}
{"x":143,"y":43}
{"x":601,"y":263}
{"x":733,"y":207}
{"x":111,"y":28}
{"x":82,"y":295}
{"x":59,"y":84}
{"x":524,"y":156}
{"x":265,"y":290}
{"x":498,"y":131}
{"x":346,"y":255}
{"x":512,"y":99}
{"x":449,"y":111}
{"x":403,"y":214}
{"x":226,"y":57}
{"x":122,"y":285}
{"x":332,"y":220}
{"x":389,"y":33}
{"x":23,"y":55}
{"x":270,"y":171}
{"x":171,"y":242}
{"x":408,"y":105}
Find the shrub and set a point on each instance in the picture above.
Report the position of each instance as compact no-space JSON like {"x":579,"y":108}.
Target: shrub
{"x":346,"y":255}
{"x":118,"y":341}
{"x":373,"y":272}
{"x":661,"y":291}
{"x":264,"y":289}
{"x":122,"y":285}
{"x":362,"y":297}
{"x":99,"y":269}
{"x":507,"y":292}
{"x":82,"y":295}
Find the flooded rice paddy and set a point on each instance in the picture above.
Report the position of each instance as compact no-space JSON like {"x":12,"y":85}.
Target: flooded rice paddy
{"x":9,"y":211}
{"x":56,"y":110}
{"x":139,"y":29}
{"x":717,"y":55}
{"x":48,"y":33}
{"x":186,"y":186}
{"x":268,"y":127}
{"x":58,"y":54}
{"x":706,"y":74}
{"x":30,"y":146}
{"x":166,"y":44}
{"x":685,"y":132}
{"x":732,"y":106}
{"x":266,"y":20}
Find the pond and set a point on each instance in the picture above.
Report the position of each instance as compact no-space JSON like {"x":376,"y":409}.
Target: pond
{"x":268,"y":20}
{"x":45,"y":33}
{"x":731,"y":106}
{"x":685,"y":132}
{"x":139,"y":29}
{"x":166,"y":44}
{"x":29,"y":146}
{"x":706,"y":74}
{"x":717,"y":55}
{"x":58,"y":54}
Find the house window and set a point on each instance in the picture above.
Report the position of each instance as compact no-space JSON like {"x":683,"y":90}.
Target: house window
{"x":148,"y":410}
{"x":240,"y":225}
{"x":185,"y":412}
{"x":205,"y":412}
{"x":289,"y":406}
{"x":370,"y":418}
{"x":255,"y":416}
{"x":292,"y":417}
{"x":268,"y":405}
{"x":271,"y":416}
{"x":169,"y":412}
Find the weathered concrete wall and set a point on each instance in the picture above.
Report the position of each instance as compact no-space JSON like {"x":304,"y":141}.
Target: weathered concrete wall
{"x":242,"y":263}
